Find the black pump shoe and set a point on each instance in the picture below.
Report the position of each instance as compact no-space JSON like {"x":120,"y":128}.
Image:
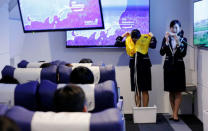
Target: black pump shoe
{"x":176,"y":120}
{"x":171,"y":118}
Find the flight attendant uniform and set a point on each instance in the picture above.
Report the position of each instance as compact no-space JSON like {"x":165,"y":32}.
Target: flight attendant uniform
{"x":174,"y":67}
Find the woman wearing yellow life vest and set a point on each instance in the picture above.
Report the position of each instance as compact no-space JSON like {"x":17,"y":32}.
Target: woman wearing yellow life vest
{"x":137,"y":46}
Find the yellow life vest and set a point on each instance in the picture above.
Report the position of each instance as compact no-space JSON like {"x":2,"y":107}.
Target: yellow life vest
{"x":130,"y":47}
{"x":142,"y":45}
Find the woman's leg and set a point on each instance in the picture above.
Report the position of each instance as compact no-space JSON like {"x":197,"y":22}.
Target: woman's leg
{"x":138,"y":99}
{"x":145,"y":98}
{"x":178,"y":99}
{"x":172,"y":100}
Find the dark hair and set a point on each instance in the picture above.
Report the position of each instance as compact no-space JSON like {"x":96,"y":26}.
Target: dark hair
{"x":135,"y":34}
{"x":6,"y":124}
{"x":70,"y":98}
{"x":45,"y":65}
{"x":81,"y":75}
{"x":85,"y":60}
{"x":174,"y":22}
{"x":181,"y":33}
{"x":9,"y":80}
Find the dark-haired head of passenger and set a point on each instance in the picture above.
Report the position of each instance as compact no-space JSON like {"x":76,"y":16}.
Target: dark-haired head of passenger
{"x":7,"y":124}
{"x":45,"y":65}
{"x":85,"y":60}
{"x":9,"y":80}
{"x":135,"y":35}
{"x":70,"y":98}
{"x":81,"y":75}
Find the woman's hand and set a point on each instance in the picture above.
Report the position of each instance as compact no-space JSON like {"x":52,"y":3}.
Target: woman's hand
{"x":133,"y":51}
{"x":167,"y":37}
{"x":150,"y":34}
{"x":126,"y":34}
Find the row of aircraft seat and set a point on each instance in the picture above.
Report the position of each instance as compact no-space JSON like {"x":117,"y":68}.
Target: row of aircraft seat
{"x":108,"y":120}
{"x":30,"y":102}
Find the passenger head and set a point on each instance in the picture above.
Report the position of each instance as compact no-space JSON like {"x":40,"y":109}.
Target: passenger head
{"x":45,"y":65}
{"x":81,"y":75}
{"x":135,"y":35}
{"x":85,"y":60}
{"x":70,"y":98}
{"x":7,"y":124}
{"x":175,"y":26}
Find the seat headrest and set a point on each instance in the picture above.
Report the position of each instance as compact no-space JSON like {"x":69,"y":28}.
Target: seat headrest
{"x":35,"y":64}
{"x":8,"y":71}
{"x":26,"y":64}
{"x":22,"y":64}
{"x":101,"y":73}
{"x":50,"y":73}
{"x":24,"y":75}
{"x":64,"y":73}
{"x":107,"y":73}
{"x":105,"y":95}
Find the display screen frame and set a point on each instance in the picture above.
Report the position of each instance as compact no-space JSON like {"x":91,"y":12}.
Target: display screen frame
{"x":63,"y":29}
{"x":107,"y":46}
{"x":204,"y":46}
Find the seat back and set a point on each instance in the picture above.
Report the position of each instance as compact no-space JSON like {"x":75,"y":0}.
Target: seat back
{"x":26,"y":95}
{"x":99,"y":96}
{"x":110,"y":119}
{"x":22,"y":94}
{"x":21,"y":116}
{"x":24,"y":75}
{"x":101,"y":73}
{"x":26,"y":64}
{"x":7,"y":94}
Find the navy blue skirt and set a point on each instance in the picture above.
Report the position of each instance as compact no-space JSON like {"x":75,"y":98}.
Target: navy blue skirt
{"x":174,"y":77}
{"x":144,"y":78}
